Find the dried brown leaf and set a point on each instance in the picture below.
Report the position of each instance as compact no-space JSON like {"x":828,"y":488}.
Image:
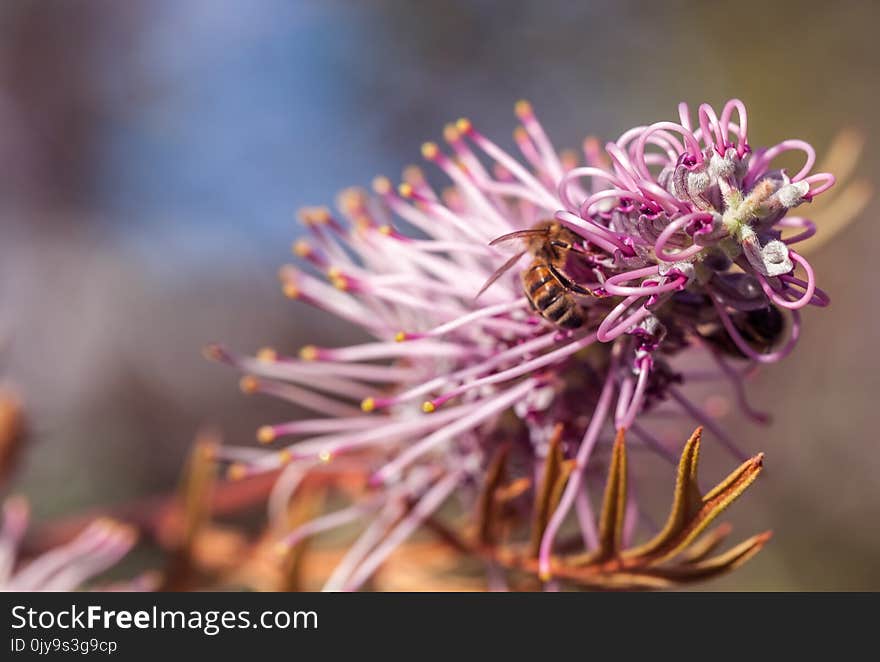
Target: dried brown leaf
{"x":544,"y":493}
{"x":487,"y":505}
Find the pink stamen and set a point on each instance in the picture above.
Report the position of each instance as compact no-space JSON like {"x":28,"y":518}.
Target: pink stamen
{"x":759,"y":166}
{"x":809,"y":289}
{"x":606,"y":334}
{"x":797,"y":222}
{"x":631,"y":406}
{"x":828,"y":181}
{"x":726,"y":113}
{"x":376,"y":531}
{"x":330,"y":521}
{"x":708,"y":119}
{"x":430,"y":502}
{"x":586,"y":518}
{"x":573,"y":486}
{"x":592,"y":232}
{"x":487,"y":408}
{"x":673,"y":227}
{"x":648,"y":288}
{"x":525,"y":368}
{"x":512,"y":165}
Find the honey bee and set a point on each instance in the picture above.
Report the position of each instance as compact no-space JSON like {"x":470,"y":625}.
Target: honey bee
{"x":762,"y":329}
{"x":550,"y":281}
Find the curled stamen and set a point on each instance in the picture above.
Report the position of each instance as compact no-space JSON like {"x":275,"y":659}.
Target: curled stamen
{"x":693,"y":147}
{"x":709,"y":120}
{"x":828,"y":180}
{"x":577,"y":173}
{"x":726,"y":113}
{"x":592,"y":232}
{"x":648,"y":287}
{"x":797,"y":222}
{"x":609,"y":194}
{"x":673,"y":227}
{"x":761,"y":163}
{"x":809,"y":290}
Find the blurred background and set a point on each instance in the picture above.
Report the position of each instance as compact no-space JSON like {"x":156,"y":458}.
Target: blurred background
{"x":153,"y":155}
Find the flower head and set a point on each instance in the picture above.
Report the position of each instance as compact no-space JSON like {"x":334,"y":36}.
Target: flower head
{"x":698,"y":211}
{"x":670,"y":239}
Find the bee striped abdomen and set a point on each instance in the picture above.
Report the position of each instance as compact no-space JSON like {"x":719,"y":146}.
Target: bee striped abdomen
{"x":548,"y":296}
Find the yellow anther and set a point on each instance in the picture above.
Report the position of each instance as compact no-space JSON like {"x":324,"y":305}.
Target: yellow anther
{"x":368,"y":405}
{"x":385,"y":229}
{"x":450,"y":133}
{"x":325,"y":456}
{"x":212,"y":352}
{"x":266,"y":434}
{"x":313,"y":215}
{"x":405,"y":190}
{"x":249,"y":384}
{"x":413,"y":174}
{"x":308,"y":353}
{"x":430,"y":150}
{"x":267,"y":355}
{"x":400,"y":336}
{"x":463,"y":125}
{"x":569,"y":158}
{"x":428,"y":407}
{"x":522,"y":109}
{"x":351,"y":200}
{"x":285,"y":456}
{"x":382,"y":185}
{"x":520,"y":134}
{"x":302,"y":248}
{"x":362,"y":222}
{"x":450,"y":196}
{"x":236,"y":471}
{"x":290,"y":290}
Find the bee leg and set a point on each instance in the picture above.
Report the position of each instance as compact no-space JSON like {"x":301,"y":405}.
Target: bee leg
{"x":568,"y":284}
{"x":564,"y":245}
{"x":586,"y":291}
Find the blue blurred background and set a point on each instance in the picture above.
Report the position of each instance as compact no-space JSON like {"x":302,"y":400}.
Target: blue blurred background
{"x":154,"y":153}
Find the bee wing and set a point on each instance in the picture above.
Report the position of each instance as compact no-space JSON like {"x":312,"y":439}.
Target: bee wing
{"x":519,"y":234}
{"x":500,"y":271}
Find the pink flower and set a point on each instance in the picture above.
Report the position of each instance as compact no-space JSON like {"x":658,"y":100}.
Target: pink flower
{"x":677,"y":245}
